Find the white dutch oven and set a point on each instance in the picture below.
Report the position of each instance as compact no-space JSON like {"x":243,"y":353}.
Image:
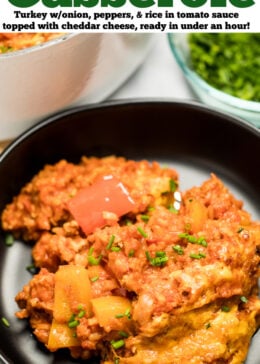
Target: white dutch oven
{"x":71,"y":70}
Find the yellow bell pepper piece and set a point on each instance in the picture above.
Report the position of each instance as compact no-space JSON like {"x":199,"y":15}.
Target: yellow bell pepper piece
{"x":72,"y":295}
{"x":61,"y":336}
{"x":112,"y":312}
{"x":198,"y":214}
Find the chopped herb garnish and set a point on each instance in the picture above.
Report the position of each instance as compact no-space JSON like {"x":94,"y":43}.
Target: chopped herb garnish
{"x":159,"y":260}
{"x":94,"y":279}
{"x":123,"y":333}
{"x":9,"y":240}
{"x":72,"y":317}
{"x":73,"y":324}
{"x":142,"y":232}
{"x":173,"y":209}
{"x":5,"y":322}
{"x":218,"y":59}
{"x":197,"y":256}
{"x":225,"y":308}
{"x":73,"y":321}
{"x":243,"y":299}
{"x":110,"y":243}
{"x":127,"y":314}
{"x":81,"y":313}
{"x":178,"y":249}
{"x":119,"y":315}
{"x":116,"y":360}
{"x":92,"y":260}
{"x":131,"y":253}
{"x":202,"y":241}
{"x":240,"y":230}
{"x":145,"y":218}
{"x":115,"y":249}
{"x":193,"y":239}
{"x":208,"y":325}
{"x":117,"y":344}
{"x":32,"y":269}
{"x":173,"y":185}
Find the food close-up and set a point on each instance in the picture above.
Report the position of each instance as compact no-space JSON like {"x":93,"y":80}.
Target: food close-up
{"x":132,"y":269}
{"x":10,"y":42}
{"x":129,"y":183}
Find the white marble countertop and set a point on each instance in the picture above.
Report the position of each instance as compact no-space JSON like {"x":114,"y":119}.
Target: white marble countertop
{"x":159,"y":76}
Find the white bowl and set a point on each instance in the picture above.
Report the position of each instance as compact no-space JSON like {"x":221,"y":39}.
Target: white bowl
{"x":71,"y":70}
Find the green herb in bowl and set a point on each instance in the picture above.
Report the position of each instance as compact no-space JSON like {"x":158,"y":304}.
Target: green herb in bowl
{"x":229,"y":62}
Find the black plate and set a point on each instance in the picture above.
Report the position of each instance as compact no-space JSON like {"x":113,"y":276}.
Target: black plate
{"x":193,"y":139}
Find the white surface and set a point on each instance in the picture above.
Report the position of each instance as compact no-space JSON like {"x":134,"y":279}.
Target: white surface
{"x":158,"y":77}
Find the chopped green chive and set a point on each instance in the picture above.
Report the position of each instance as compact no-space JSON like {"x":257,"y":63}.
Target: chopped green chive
{"x":173,"y":185}
{"x":225,"y":308}
{"x":131,"y":253}
{"x":145,"y":218}
{"x":178,"y":249}
{"x":197,"y":256}
{"x":73,"y":324}
{"x":128,"y":313}
{"x":119,"y":315}
{"x":173,"y":209}
{"x":244,"y":299}
{"x":117,"y":344}
{"x":142,"y":232}
{"x":110,"y":243}
{"x":116,"y":360}
{"x":115,"y":249}
{"x":73,"y":321}
{"x":94,"y":279}
{"x":208,"y":325}
{"x":240,"y":230}
{"x":193,"y":240}
{"x":5,"y":322}
{"x":9,"y":240}
{"x":123,"y":334}
{"x":31,"y":269}
{"x":92,"y":260}
{"x":81,"y":313}
{"x":202,"y":241}
{"x":159,"y":260}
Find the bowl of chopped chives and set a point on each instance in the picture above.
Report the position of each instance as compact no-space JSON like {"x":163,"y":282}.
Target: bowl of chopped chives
{"x":223,"y":70}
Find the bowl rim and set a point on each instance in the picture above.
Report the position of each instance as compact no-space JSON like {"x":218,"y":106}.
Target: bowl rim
{"x":243,"y":105}
{"x":45,"y":122}
{"x":52,"y":42}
